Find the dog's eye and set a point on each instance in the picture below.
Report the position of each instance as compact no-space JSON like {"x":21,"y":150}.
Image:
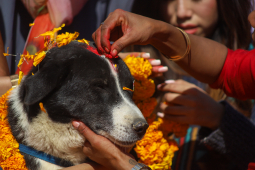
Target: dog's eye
{"x":99,"y":84}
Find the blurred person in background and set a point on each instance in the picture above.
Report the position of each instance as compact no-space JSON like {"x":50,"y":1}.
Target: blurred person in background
{"x":212,"y":19}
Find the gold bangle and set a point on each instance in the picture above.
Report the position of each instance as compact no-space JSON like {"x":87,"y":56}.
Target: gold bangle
{"x":187,"y":52}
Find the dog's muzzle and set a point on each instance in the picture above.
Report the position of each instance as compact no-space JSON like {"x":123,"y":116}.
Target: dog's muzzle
{"x":140,"y":126}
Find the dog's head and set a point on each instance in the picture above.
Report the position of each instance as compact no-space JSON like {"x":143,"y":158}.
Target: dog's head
{"x":73,"y":83}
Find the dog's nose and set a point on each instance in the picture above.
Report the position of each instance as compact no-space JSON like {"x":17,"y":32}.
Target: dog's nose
{"x":140,"y":126}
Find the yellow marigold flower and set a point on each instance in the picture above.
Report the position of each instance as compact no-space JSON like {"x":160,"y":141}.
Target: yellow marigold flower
{"x":84,"y":41}
{"x":39,"y":58}
{"x":143,"y":89}
{"x":146,"y":106}
{"x":20,"y":76}
{"x":31,"y":24}
{"x":66,"y":38}
{"x":23,"y":57}
{"x":153,"y":150}
{"x":52,"y":33}
{"x":140,"y":68}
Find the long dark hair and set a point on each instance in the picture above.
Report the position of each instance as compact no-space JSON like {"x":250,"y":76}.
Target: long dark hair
{"x":233,"y":29}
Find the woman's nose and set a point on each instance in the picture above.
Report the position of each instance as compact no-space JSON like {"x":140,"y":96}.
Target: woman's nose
{"x":183,"y":9}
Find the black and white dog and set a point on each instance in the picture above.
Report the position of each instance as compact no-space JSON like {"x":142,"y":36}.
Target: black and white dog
{"x":73,"y":83}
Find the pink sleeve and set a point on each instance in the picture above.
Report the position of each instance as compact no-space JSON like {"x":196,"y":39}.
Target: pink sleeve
{"x":237,"y":77}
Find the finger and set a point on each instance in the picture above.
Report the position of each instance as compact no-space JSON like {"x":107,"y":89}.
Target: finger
{"x":135,"y":54}
{"x":120,"y":44}
{"x":159,"y":69}
{"x":84,"y":130}
{"x":154,"y":62}
{"x":97,"y":39}
{"x":177,"y":98}
{"x":175,"y":118}
{"x":113,"y":21}
{"x":173,"y":110}
{"x":179,"y":86}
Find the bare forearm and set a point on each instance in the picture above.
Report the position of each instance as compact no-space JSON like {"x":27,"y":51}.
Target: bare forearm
{"x":5,"y":84}
{"x":4,"y":71}
{"x":207,"y":56}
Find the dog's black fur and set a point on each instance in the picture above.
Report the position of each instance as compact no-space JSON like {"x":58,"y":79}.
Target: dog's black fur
{"x":73,"y":83}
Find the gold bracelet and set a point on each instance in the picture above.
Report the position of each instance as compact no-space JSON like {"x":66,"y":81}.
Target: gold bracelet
{"x":187,"y":52}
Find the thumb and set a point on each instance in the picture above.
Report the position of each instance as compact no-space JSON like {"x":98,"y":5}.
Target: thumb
{"x":120,"y":44}
{"x":84,"y":130}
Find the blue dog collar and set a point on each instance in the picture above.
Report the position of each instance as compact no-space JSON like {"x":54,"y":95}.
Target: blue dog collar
{"x":46,"y":157}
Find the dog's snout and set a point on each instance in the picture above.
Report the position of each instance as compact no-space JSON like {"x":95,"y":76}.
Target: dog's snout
{"x":140,"y":126}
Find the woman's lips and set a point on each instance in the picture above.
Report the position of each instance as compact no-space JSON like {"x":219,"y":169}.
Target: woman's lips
{"x":188,"y":28}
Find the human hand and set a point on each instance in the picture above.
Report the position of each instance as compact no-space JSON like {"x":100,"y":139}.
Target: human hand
{"x":157,"y":68}
{"x":124,"y":28}
{"x":251,"y":19}
{"x":188,"y":104}
{"x":103,"y":151}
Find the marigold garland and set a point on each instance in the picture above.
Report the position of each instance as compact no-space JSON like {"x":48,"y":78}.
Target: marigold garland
{"x":10,"y":157}
{"x":153,"y":150}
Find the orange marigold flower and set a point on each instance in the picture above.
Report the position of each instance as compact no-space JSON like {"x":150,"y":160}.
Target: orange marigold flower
{"x":140,"y":68}
{"x":151,"y":118}
{"x":143,"y":89}
{"x":10,"y":157}
{"x":41,"y":107}
{"x":146,"y":106}
{"x":153,"y":150}
{"x":180,"y":130}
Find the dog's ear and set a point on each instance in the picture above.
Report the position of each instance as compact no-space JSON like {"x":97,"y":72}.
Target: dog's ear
{"x":36,"y":87}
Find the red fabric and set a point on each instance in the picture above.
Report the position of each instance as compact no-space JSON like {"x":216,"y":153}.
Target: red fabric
{"x":35,"y":43}
{"x":237,"y":77}
{"x":251,"y":166}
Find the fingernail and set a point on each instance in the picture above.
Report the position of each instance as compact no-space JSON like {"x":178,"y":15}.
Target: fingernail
{"x":155,"y":62}
{"x":160,"y":114}
{"x":76,"y":124}
{"x":114,"y":52}
{"x":146,"y":55}
{"x":159,"y":86}
{"x":163,"y":69}
{"x":106,"y":49}
{"x":169,"y":81}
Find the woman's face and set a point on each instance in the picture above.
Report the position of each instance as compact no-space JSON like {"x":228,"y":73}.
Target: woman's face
{"x":198,"y":17}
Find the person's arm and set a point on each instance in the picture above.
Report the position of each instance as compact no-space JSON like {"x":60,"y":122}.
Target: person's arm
{"x":4,"y":70}
{"x":5,"y":84}
{"x":125,"y":28}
